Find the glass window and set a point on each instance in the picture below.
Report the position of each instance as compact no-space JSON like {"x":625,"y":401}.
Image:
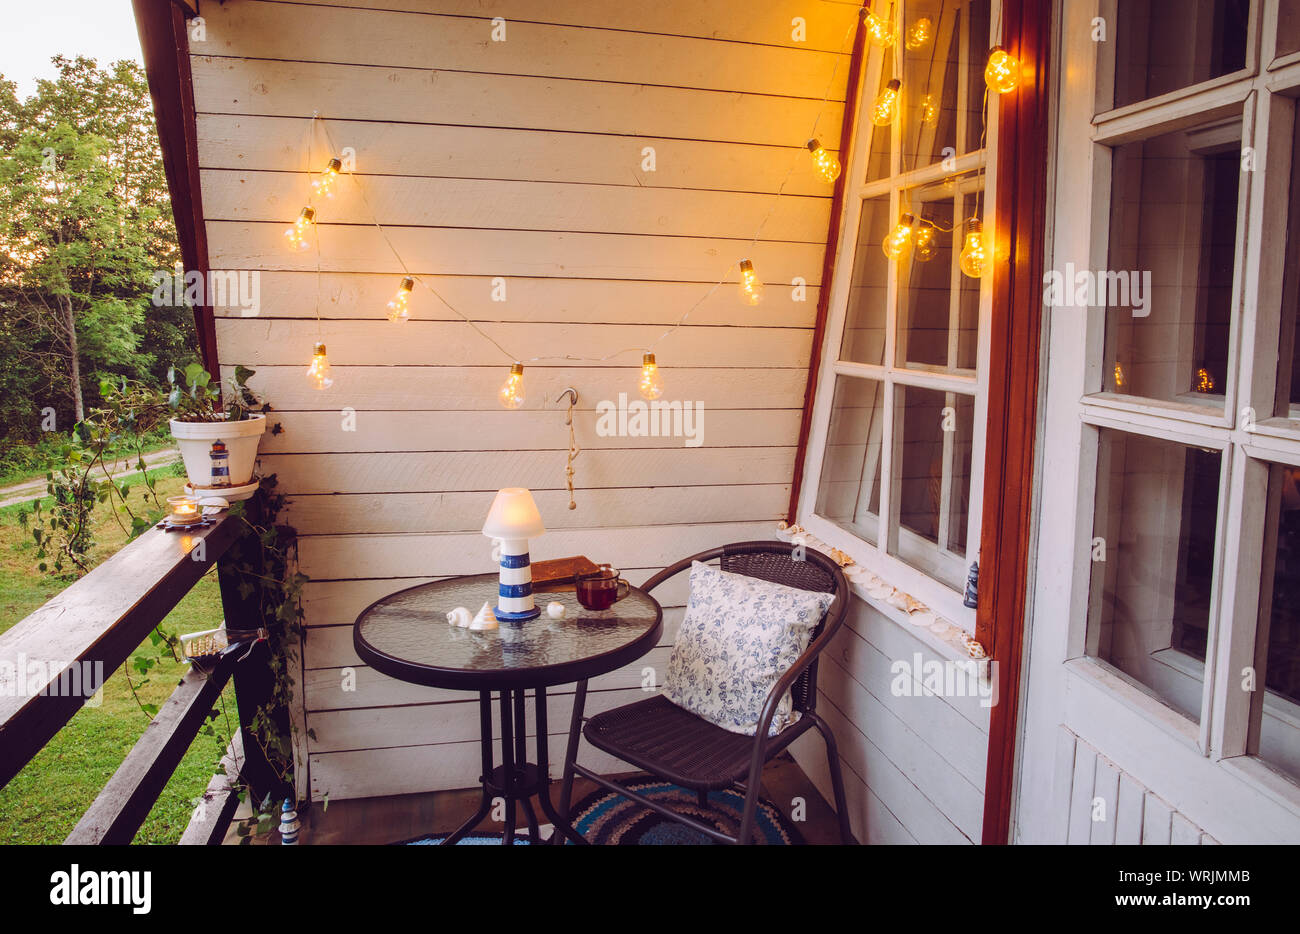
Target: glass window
{"x":1288,"y":26}
{"x":1288,"y":356}
{"x":1279,"y":623}
{"x":849,"y":491}
{"x":1166,"y":45}
{"x":864,"y":325}
{"x":1153,"y":560}
{"x":945,"y":46}
{"x":1168,"y":284}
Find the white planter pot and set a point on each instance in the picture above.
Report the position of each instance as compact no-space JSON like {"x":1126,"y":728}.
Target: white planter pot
{"x":209,"y":447}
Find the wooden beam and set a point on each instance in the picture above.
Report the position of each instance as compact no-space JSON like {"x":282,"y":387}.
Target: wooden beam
{"x":1021,"y":232}
{"x":828,"y":270}
{"x":211,"y":819}
{"x":100,"y":620}
{"x":164,"y":45}
{"x":124,"y":803}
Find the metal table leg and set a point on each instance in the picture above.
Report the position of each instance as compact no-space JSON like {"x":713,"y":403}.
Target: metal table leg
{"x":485,"y":745}
{"x":559,"y":821}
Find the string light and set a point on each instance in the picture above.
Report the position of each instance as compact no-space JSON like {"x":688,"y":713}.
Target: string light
{"x":886,"y":105}
{"x":397,"y":307}
{"x":920,"y":34}
{"x":1119,"y":376}
{"x":751,"y":288}
{"x":900,"y":238}
{"x":323,"y":184}
{"x":297,"y":235}
{"x":319,"y":371}
{"x":924,"y":244}
{"x":1204,"y":381}
{"x":1002,"y":73}
{"x":650,"y":386}
{"x":974,"y":256}
{"x":512,"y":390}
{"x":929,"y":112}
{"x":826,"y":165}
{"x":879,"y":29}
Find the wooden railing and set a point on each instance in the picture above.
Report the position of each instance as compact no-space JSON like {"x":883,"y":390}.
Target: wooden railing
{"x":49,"y":661}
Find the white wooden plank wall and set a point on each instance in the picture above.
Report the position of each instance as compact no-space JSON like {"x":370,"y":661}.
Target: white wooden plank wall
{"x":1109,"y":806}
{"x":519,"y":159}
{"x":913,"y":765}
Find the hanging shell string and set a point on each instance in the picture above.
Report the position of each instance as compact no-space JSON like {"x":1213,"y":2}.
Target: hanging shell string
{"x":422,"y":280}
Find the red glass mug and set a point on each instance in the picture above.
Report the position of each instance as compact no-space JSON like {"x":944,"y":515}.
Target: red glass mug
{"x":601,"y":589}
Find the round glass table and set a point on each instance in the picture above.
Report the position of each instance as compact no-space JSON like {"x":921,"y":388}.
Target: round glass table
{"x":406,"y":636}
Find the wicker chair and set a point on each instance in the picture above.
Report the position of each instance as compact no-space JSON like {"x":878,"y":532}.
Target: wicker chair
{"x":661,"y":738}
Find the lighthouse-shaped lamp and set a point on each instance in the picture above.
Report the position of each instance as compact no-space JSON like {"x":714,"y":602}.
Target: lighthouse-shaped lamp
{"x":514,"y":519}
{"x":220,"y":470}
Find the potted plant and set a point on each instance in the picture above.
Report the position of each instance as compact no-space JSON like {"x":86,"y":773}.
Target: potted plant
{"x":219,"y":446}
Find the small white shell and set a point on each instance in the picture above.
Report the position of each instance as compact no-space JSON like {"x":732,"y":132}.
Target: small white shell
{"x":459,"y":617}
{"x":555,"y":610}
{"x":484,"y":620}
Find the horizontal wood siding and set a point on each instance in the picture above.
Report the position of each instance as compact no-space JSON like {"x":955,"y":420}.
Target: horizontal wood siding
{"x":913,"y":765}
{"x":518,"y":160}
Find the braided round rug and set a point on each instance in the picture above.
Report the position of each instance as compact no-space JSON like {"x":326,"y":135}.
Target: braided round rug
{"x":609,"y":819}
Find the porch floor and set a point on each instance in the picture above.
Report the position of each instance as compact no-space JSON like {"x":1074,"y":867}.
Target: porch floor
{"x":404,"y":817}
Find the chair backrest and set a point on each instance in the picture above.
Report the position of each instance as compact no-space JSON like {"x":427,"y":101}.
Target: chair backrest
{"x":780,"y":563}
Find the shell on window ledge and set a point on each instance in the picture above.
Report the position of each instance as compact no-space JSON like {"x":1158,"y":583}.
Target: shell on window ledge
{"x":459,"y":617}
{"x":555,"y":610}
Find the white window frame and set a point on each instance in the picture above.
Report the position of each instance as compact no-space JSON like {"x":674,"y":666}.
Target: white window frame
{"x":1267,"y":99}
{"x":939,"y":596}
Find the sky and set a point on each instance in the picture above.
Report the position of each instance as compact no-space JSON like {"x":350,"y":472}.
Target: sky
{"x":32,"y":32}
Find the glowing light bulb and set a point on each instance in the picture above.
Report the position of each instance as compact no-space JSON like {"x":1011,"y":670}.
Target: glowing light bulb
{"x":397,"y":310}
{"x":929,"y":111}
{"x":1204,"y":381}
{"x":1002,"y":73}
{"x":1119,"y":375}
{"x":650,"y":386}
{"x":974,"y":255}
{"x":323,"y":184}
{"x":319,"y":371}
{"x":923,"y":241}
{"x":919,"y":34}
{"x":880,"y":30}
{"x":751,"y":289}
{"x":512,"y":390}
{"x":900,"y":238}
{"x":886,"y":105}
{"x":826,"y":166}
{"x":298,"y":236}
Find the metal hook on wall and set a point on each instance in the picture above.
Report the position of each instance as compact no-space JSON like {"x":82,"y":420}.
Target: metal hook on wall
{"x":573,"y":402}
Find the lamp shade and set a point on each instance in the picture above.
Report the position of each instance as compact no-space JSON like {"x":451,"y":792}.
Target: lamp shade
{"x":513,"y":516}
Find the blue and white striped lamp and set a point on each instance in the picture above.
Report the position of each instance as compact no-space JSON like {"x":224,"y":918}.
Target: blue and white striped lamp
{"x":514,"y":519}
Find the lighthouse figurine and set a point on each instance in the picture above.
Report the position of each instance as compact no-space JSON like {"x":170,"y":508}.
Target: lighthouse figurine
{"x":220,"y":470}
{"x":288,"y":824}
{"x":514,"y":519}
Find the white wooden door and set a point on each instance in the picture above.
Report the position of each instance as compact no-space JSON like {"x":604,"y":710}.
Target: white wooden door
{"x":1161,"y":697}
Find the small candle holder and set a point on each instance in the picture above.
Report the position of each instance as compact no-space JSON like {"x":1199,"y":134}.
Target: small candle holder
{"x":184,"y":510}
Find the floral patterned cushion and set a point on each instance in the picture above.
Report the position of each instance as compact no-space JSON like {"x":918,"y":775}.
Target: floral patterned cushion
{"x":738,"y":637}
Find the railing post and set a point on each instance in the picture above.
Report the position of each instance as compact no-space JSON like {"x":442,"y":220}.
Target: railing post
{"x":244,"y":601}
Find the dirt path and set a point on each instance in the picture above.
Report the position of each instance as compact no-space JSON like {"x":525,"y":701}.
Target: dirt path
{"x":30,"y":489}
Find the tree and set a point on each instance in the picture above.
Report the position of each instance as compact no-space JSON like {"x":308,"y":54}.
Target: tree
{"x":85,"y":220}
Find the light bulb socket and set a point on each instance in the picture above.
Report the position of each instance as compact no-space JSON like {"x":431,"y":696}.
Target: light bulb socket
{"x":996,"y":49}
{"x":973,"y":225}
{"x":907,"y":220}
{"x":334,"y":166}
{"x":407,"y":284}
{"x":893,"y":85}
{"x":746,"y":266}
{"x":516,"y":369}
{"x":308,"y":213}
{"x":813,"y":145}
{"x":647,"y":359}
{"x":319,"y":349}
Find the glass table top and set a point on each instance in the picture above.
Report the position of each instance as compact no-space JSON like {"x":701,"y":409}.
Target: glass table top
{"x":406,"y":635}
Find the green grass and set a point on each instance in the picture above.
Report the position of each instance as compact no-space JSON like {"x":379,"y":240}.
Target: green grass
{"x":20,"y":462}
{"x":45,"y":801}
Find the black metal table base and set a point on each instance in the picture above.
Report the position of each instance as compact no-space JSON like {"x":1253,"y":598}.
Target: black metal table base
{"x":516,"y":780}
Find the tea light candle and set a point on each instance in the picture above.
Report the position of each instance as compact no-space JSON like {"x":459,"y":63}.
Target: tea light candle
{"x":184,"y":510}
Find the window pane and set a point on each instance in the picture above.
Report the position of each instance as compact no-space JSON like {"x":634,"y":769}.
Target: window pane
{"x":864,"y":323}
{"x":932,"y":460}
{"x":1279,"y":623}
{"x":1288,"y":356}
{"x":849,"y":491}
{"x":937,"y":328}
{"x":941,"y":105}
{"x":1153,"y":560}
{"x":1164,"y":45}
{"x":1288,"y":26}
{"x":880,"y":136}
{"x":1168,"y":285}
